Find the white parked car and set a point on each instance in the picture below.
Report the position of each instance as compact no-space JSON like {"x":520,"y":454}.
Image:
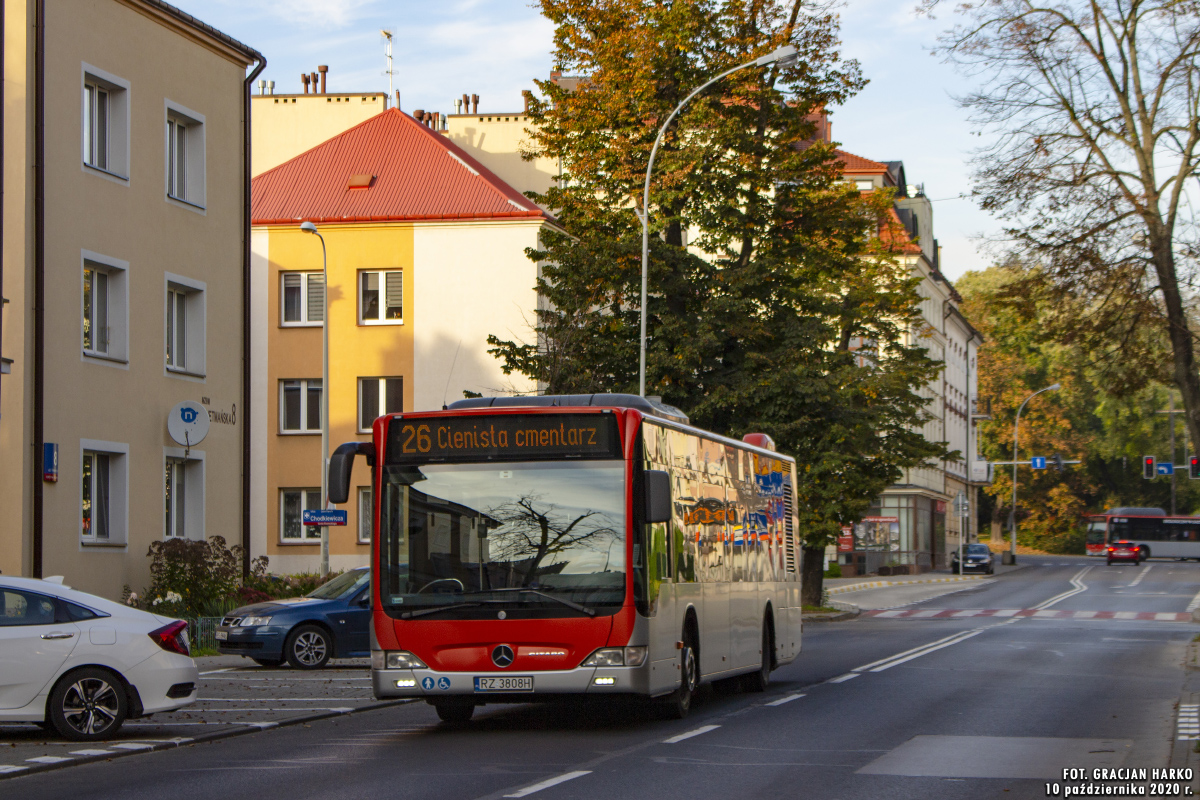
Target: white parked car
{"x":82,"y":664}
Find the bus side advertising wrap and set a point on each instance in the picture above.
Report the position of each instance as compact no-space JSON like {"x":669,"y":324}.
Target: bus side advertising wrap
{"x":511,"y":437}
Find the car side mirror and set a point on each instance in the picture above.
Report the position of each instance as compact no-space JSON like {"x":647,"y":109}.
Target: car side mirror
{"x":658,"y":496}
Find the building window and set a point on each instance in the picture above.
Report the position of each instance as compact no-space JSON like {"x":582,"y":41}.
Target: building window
{"x":303,"y":301}
{"x":95,"y":311}
{"x":300,"y":406}
{"x":185,"y":325}
{"x":292,"y":503}
{"x":366,"y":514}
{"x":376,"y":397}
{"x":381,"y":297}
{"x":105,"y":122}
{"x":102,"y":495}
{"x":185,"y":155}
{"x":96,"y":496}
{"x":103,"y":309}
{"x":176,"y":497}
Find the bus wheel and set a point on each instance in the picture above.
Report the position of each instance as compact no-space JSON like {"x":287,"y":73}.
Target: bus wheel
{"x":759,"y":681}
{"x":679,"y":702}
{"x":1143,"y":553}
{"x":455,"y":711}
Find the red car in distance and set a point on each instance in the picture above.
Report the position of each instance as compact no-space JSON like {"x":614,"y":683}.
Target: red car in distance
{"x":1124,"y":551}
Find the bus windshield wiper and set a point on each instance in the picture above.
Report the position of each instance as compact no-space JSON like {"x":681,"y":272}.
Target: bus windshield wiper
{"x":424,"y":611}
{"x":591,"y":612}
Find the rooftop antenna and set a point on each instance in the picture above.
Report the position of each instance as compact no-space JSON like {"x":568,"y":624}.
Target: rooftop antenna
{"x":387,"y":51}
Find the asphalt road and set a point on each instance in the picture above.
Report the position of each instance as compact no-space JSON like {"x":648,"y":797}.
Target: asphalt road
{"x":895,"y":707}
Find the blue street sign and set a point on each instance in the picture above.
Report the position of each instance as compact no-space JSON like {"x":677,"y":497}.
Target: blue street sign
{"x":49,"y":462}
{"x":1038,"y":462}
{"x":1164,"y":469}
{"x":324,"y":518}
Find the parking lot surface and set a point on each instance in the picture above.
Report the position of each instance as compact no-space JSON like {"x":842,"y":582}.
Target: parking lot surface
{"x":235,"y":696}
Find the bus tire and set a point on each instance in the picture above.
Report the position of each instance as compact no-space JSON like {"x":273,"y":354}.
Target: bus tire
{"x":457,"y":712}
{"x":759,"y":680}
{"x":1143,"y":554}
{"x":678,"y":703}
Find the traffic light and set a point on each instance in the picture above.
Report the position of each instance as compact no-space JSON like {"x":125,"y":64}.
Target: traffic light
{"x":1057,"y":461}
{"x":1194,"y":467}
{"x":1148,"y":467}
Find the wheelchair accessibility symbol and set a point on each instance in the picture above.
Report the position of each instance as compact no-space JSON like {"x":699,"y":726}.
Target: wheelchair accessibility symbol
{"x":443,"y":683}
{"x":427,"y":684}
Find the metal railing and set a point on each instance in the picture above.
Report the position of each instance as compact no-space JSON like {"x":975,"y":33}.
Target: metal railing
{"x":202,"y":633}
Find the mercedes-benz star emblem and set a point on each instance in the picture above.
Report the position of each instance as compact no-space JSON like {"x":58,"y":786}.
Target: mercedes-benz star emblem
{"x":502,"y":655}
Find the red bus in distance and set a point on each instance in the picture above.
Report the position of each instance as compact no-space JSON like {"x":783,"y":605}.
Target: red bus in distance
{"x":579,"y":545}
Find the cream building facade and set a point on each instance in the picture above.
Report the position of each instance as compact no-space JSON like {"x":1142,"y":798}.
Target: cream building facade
{"x":125,"y":247}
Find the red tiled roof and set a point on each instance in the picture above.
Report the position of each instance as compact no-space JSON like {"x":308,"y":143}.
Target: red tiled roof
{"x":418,"y":175}
{"x":853,"y":163}
{"x":893,"y":232}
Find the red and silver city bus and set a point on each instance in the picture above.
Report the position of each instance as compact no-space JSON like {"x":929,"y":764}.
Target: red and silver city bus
{"x":1154,"y":532}
{"x":574,"y":545}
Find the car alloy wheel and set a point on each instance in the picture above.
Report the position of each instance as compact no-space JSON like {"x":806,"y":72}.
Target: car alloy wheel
{"x":309,"y":648}
{"x":88,"y":705}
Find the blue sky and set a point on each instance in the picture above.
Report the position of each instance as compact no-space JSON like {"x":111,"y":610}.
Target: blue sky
{"x":494,"y":48}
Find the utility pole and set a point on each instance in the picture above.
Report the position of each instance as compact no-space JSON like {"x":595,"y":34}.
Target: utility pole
{"x":1171,"y":412}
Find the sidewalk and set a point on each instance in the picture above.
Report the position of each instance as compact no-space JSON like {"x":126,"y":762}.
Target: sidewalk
{"x":842,"y":585}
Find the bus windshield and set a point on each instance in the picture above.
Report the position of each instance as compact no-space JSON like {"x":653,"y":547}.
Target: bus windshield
{"x":1095,"y":531}
{"x":469,"y":541}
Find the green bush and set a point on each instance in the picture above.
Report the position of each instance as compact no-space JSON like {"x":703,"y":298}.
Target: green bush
{"x":277,"y":587}
{"x":190,"y":579}
{"x":834,"y":571}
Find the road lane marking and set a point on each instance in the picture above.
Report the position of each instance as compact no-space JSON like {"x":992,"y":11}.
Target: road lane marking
{"x":91,"y":752}
{"x":688,"y":735}
{"x":1192,"y":606}
{"x":866,"y":667}
{"x":6,"y":768}
{"x":783,"y":700}
{"x":546,"y":784}
{"x":1141,"y":575}
{"x":928,"y":650}
{"x":274,"y":700}
{"x":215,"y":671}
{"x":1076,"y":582}
{"x":1187,"y":727}
{"x":849,"y":676}
{"x":48,"y":759}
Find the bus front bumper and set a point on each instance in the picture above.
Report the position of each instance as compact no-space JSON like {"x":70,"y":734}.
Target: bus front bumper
{"x":430,"y":684}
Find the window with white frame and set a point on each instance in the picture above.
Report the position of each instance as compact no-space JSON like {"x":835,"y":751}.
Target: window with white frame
{"x":366,"y":513}
{"x":300,"y":406}
{"x":103,"y":494}
{"x":183,"y":493}
{"x":175,"y":525}
{"x":376,"y":397}
{"x":381,"y":297}
{"x":105,"y":122}
{"x":292,"y":504}
{"x":185,"y":155}
{"x":303,"y":301}
{"x":103,"y":320}
{"x":184,"y":314}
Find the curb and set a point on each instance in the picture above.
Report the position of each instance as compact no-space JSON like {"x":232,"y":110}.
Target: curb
{"x":228,"y":734}
{"x":858,"y":587}
{"x":839,"y":617}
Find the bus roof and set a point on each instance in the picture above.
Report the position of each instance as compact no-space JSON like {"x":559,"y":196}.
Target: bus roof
{"x":1135,"y":511}
{"x":650,"y":406}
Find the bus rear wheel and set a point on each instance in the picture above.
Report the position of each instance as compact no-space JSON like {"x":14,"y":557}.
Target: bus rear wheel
{"x":454,"y":711}
{"x":759,"y":681}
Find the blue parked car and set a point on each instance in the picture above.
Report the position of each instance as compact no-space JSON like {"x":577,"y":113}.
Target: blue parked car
{"x":332,"y":621}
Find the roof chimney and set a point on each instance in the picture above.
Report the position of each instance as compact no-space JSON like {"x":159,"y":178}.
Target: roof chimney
{"x":475,"y":104}
{"x":466,"y":107}
{"x":418,"y":114}
{"x":458,"y":106}
{"x":304,"y":77}
{"x":270,"y":87}
{"x":313,"y":76}
{"x":528,"y":95}
{"x":262,"y":87}
{"x":323,"y":68}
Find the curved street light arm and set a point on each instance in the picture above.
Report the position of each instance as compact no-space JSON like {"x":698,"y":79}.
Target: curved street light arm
{"x":1012,"y":513}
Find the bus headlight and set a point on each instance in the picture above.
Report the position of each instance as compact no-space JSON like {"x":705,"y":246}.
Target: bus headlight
{"x":616,"y":657}
{"x":402,"y":659}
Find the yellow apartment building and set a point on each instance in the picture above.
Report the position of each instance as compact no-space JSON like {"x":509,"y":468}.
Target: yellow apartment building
{"x":426,"y":258}
{"x":125,"y":261}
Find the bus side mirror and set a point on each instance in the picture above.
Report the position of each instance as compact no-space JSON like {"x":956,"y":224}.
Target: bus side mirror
{"x":341,"y":463}
{"x":658,"y":496}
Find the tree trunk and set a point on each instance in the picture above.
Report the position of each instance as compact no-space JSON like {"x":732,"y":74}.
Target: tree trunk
{"x":1182,"y":349}
{"x":812,"y":575}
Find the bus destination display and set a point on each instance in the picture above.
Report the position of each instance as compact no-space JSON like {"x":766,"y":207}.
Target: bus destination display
{"x":512,"y":437}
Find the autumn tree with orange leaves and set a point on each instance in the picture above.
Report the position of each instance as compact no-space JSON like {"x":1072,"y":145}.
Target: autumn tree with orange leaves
{"x":766,"y":268}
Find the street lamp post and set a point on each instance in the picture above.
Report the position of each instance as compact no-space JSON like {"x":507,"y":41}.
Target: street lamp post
{"x":308,"y":227}
{"x":783,"y":55}
{"x":1012,"y":512}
